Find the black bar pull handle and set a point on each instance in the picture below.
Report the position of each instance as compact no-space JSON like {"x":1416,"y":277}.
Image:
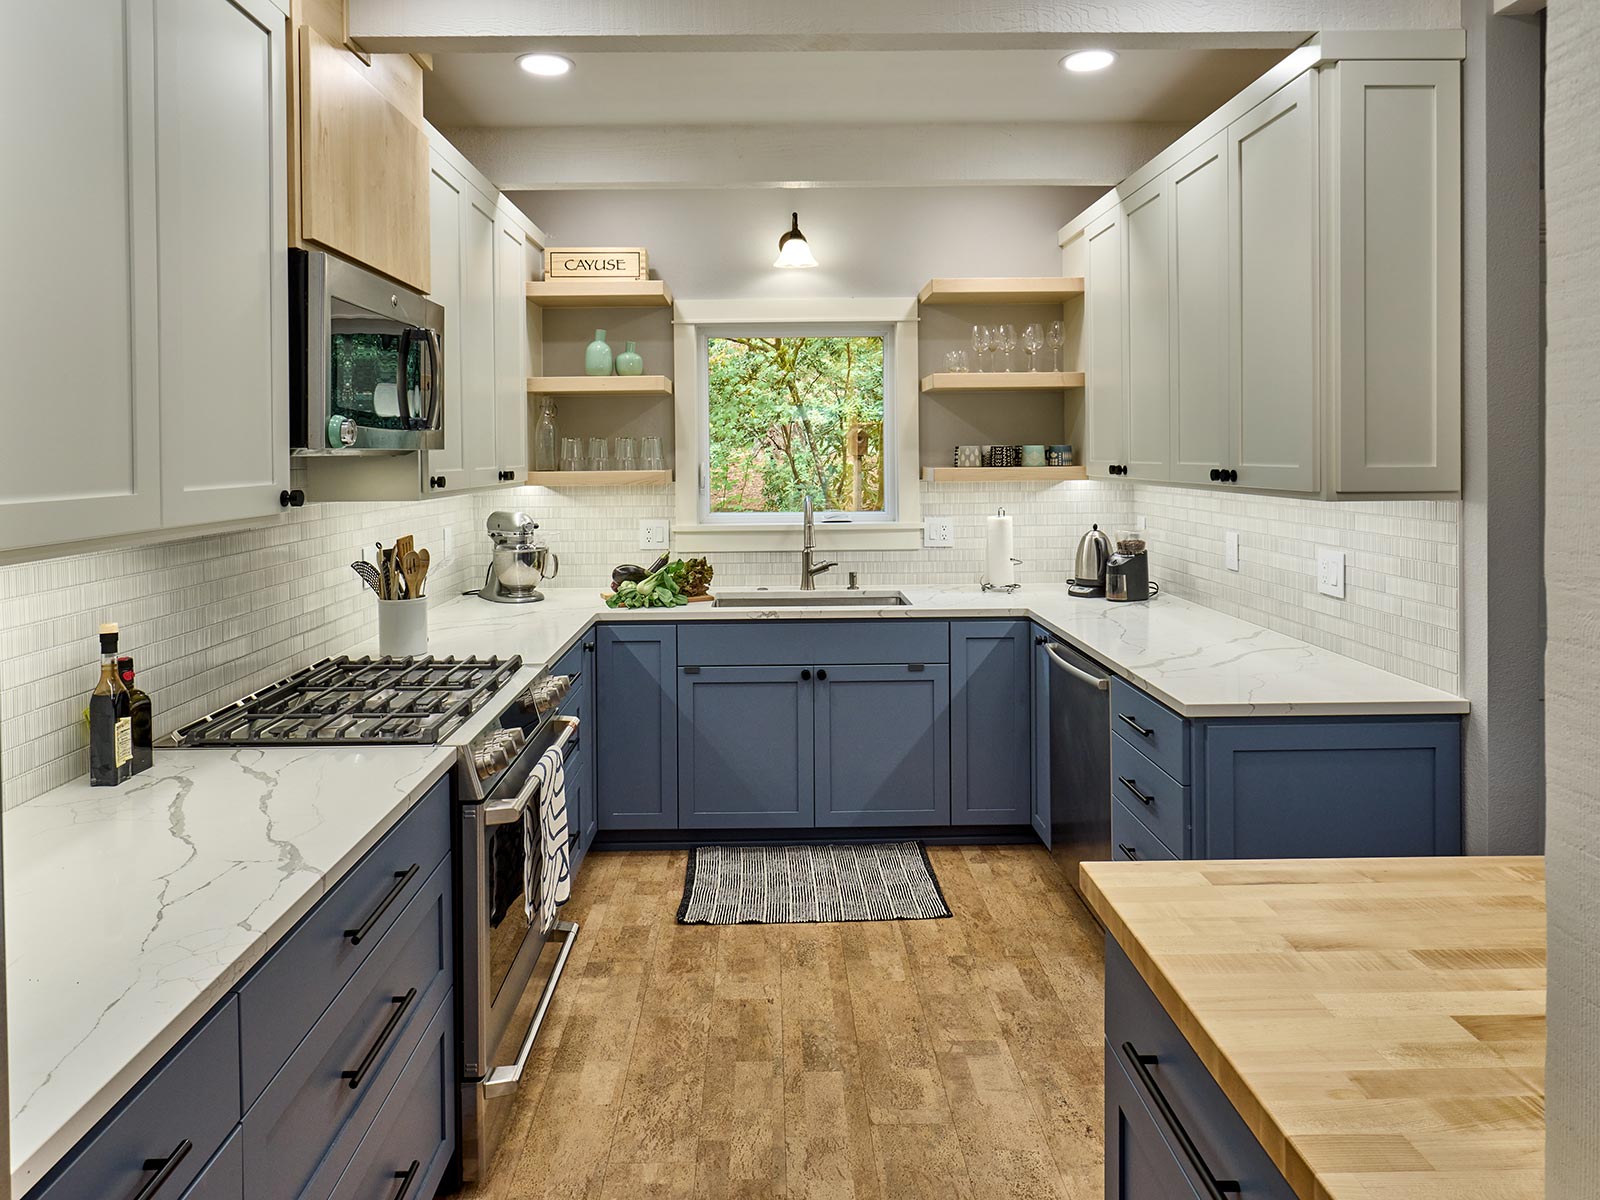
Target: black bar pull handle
{"x":163,"y":1168}
{"x":1214,"y":1187}
{"x":407,"y":1178}
{"x":1134,"y":725}
{"x":401,"y":879}
{"x":1131,"y":851}
{"x":1134,"y":788}
{"x":402,"y":1006}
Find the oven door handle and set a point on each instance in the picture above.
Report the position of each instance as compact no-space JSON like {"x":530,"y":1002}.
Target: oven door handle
{"x":508,"y":812}
{"x":503,"y":1081}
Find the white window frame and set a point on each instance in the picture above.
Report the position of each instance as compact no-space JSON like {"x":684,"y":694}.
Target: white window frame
{"x":895,"y":320}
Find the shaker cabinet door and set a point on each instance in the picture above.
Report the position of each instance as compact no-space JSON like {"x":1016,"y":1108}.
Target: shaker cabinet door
{"x":1106,"y":398}
{"x":475,"y":341}
{"x":1202,"y":439}
{"x":636,"y":723}
{"x":744,"y":747}
{"x":511,"y":370}
{"x":991,"y":725}
{"x":1149,"y":378}
{"x":446,"y":202}
{"x":883,"y":744}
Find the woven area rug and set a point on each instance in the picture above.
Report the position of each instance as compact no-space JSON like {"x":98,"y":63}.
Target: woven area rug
{"x":779,"y":885}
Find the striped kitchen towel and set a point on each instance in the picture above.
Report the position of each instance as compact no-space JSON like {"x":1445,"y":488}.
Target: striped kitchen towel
{"x":546,"y":856}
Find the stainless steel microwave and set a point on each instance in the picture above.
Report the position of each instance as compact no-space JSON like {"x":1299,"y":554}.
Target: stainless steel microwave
{"x":366,"y":361}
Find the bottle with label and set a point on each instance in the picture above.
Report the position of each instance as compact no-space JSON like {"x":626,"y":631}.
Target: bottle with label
{"x":110,"y":719}
{"x":142,"y":715}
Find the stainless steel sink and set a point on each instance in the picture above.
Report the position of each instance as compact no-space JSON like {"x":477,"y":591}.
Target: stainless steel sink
{"x":812,"y":600}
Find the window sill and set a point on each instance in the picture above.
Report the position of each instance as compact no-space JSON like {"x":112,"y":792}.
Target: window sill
{"x":882,"y":535}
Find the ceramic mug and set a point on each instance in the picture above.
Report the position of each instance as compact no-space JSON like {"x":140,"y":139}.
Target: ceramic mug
{"x":969,"y":456}
{"x":1033,"y":456}
{"x":1058,"y":456}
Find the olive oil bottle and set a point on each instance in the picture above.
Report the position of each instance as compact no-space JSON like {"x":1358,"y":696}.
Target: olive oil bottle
{"x":142,"y":714}
{"x":110,"y":719}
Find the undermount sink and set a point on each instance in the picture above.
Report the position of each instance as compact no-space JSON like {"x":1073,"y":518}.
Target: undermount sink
{"x":812,"y":600}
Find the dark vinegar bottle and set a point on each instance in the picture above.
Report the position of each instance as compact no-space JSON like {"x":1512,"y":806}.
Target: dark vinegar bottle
{"x":110,"y":719}
{"x":142,"y":716}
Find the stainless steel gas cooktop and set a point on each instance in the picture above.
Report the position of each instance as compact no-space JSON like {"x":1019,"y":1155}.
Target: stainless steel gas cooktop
{"x":356,"y":701}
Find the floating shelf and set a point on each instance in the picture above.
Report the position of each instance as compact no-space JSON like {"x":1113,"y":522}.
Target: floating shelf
{"x":599,"y":293}
{"x":1000,"y":290}
{"x":599,"y":385}
{"x":1002,"y":381}
{"x":992,"y":474}
{"x":568,"y":479}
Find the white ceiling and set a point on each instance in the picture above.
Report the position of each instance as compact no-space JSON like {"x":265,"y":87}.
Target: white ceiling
{"x":840,"y":87}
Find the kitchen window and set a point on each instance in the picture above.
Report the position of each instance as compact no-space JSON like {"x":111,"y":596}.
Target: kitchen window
{"x":785,"y":403}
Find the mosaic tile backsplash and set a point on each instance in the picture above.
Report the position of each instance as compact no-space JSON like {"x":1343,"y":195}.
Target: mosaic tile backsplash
{"x":209,"y":619}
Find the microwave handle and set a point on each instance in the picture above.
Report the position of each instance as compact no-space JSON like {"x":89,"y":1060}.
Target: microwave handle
{"x":435,"y":410}
{"x":402,"y":392}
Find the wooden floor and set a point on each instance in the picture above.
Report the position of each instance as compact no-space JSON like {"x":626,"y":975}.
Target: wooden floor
{"x":952,"y":1058}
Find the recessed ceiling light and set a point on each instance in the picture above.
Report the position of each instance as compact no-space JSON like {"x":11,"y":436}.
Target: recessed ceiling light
{"x":545,"y":64}
{"x":1088,"y":60}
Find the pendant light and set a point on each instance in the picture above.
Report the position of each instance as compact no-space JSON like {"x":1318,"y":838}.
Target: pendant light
{"x":793,"y":249}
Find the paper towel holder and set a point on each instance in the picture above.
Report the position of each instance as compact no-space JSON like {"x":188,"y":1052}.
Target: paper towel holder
{"x":986,"y":586}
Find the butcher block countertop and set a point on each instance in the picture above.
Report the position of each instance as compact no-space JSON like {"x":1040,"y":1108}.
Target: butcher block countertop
{"x":1378,"y":1023}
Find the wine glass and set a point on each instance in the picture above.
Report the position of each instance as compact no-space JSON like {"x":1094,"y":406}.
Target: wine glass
{"x":1055,"y":339}
{"x":1007,"y":341}
{"x":980,"y":343}
{"x":1033,"y":342}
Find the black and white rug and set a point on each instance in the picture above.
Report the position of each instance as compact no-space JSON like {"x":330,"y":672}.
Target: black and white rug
{"x":777,"y":885}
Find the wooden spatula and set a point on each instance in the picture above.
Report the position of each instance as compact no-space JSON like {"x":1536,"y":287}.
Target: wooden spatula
{"x":414,"y":567}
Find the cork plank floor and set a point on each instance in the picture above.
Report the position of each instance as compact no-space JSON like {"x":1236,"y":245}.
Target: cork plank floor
{"x":953,"y":1058}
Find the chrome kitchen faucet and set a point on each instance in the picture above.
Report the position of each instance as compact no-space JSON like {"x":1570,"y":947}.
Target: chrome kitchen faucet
{"x":809,"y":570}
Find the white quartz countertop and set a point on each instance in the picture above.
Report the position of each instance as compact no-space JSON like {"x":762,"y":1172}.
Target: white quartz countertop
{"x":131,"y":911}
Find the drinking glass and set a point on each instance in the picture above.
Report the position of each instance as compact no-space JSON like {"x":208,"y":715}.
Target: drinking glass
{"x":599,"y":454}
{"x":1006,"y":341}
{"x":980,"y":343}
{"x":627,"y":454}
{"x":1033,"y":342}
{"x":1055,"y":338}
{"x":650,"y":454}
{"x":950,"y":360}
{"x":571,"y":454}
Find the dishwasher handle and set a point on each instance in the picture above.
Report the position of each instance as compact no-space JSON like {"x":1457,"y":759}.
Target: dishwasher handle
{"x":1093,"y":681}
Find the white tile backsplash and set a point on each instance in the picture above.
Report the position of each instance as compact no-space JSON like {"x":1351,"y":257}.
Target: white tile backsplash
{"x":211,"y":618}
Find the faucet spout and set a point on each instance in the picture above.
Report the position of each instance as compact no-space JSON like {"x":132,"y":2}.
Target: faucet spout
{"x":809,"y":570}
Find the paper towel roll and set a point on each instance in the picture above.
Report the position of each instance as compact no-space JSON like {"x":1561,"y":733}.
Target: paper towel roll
{"x":999,"y":565}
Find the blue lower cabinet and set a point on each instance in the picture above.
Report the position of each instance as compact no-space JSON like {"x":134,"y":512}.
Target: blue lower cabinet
{"x":1040,"y":810}
{"x":883,"y":745}
{"x":223,"y":1178}
{"x":991,"y":727}
{"x":1132,"y":840}
{"x":1139,"y":1163}
{"x":745,"y":747}
{"x":1329,"y":789}
{"x":636,"y":722}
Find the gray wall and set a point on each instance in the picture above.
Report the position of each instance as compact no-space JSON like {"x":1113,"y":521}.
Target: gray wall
{"x":1572,"y":575}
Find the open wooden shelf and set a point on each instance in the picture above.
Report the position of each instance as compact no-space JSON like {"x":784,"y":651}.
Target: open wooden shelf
{"x":993,"y":474}
{"x":570,"y":479}
{"x":599,"y":385}
{"x":1000,"y":290}
{"x":599,"y":293}
{"x":1002,"y":381}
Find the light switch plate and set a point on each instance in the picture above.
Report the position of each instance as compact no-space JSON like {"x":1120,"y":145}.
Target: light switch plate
{"x":653,"y":534}
{"x":1230,"y":550}
{"x":1138,"y":523}
{"x":1330,"y":572}
{"x":938,"y":531}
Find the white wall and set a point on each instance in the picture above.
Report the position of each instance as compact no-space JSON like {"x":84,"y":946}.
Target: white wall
{"x":1572,"y":578}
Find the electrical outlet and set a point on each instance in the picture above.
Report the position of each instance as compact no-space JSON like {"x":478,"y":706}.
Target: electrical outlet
{"x":1230,"y":550}
{"x":653,"y":535}
{"x":1330,"y":572}
{"x":938,"y":531}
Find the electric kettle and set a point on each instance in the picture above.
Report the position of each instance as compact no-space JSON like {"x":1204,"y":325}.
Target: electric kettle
{"x":1089,"y":567}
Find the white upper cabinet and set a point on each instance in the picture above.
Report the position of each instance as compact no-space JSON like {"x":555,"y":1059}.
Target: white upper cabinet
{"x":1148,"y":378}
{"x":1202,"y":441}
{"x":512,"y":367}
{"x":1272,"y":240}
{"x":1105,"y":339}
{"x":475,"y":340}
{"x":223,"y":219}
{"x":446,"y":200}
{"x":80,"y":454}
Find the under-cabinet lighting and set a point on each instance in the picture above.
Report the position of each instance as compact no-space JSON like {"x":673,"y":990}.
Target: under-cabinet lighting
{"x":1082,"y":61}
{"x":545,"y":64}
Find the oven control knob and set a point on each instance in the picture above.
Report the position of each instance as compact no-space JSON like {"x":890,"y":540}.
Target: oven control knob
{"x":515,"y":740}
{"x":342,"y":431}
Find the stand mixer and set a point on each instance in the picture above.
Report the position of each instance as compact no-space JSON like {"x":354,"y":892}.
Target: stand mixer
{"x":517,"y":566}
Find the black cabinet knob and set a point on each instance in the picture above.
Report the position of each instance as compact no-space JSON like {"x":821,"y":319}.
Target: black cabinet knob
{"x":1230,"y":477}
{"x":1216,"y":475}
{"x":291,"y":499}
{"x":805,"y":674}
{"x":436,"y":481}
{"x":822,"y":675}
{"x":589,"y":646}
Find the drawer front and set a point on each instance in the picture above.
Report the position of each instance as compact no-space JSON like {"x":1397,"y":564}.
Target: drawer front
{"x":806,"y":643}
{"x":1159,"y":733}
{"x":292,"y":987}
{"x":302,"y":1131}
{"x":1139,"y":1163}
{"x":1131,"y":839}
{"x":185,"y":1108}
{"x":404,"y":1153}
{"x":223,"y":1178}
{"x":1159,"y":800}
{"x":1136,"y":1023}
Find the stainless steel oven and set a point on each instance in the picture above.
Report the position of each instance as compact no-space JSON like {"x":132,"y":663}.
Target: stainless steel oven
{"x":366,"y":361}
{"x":507,"y":976}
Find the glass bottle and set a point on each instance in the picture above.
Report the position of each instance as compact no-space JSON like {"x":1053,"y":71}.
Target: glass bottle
{"x":142,"y":714}
{"x":546,"y":445}
{"x":110,"y":719}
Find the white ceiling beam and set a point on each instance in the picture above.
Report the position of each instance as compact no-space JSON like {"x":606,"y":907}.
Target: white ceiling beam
{"x":1063,"y":155}
{"x":624,"y":25}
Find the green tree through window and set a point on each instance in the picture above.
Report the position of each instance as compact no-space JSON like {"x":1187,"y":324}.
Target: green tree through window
{"x":796,"y":415}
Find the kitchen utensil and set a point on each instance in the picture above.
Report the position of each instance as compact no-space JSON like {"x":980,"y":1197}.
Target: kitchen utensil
{"x":369,"y":574}
{"x":518,"y":562}
{"x":414,"y":567}
{"x":1128,"y":577}
{"x":1089,"y":564}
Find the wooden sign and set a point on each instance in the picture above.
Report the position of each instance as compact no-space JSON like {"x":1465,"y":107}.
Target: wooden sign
{"x":597,"y":262}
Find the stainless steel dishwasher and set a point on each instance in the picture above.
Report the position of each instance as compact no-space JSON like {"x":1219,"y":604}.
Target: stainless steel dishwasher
{"x":1080,"y":759}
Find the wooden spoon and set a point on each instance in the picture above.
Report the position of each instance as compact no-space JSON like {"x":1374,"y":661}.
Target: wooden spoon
{"x":414,"y":567}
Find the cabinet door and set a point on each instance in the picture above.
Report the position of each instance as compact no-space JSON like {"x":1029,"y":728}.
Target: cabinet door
{"x":1149,"y":332}
{"x":744,"y":748}
{"x":883,"y":745}
{"x":223,"y":222}
{"x":1139,"y":1163}
{"x":1397,"y":276}
{"x":636,"y":723}
{"x":1104,"y":311}
{"x":446,"y":204}
{"x":475,"y":342}
{"x":510,"y":347}
{"x":1202,"y":435}
{"x":991,"y":729}
{"x":80,"y":455}
{"x":1041,"y":737}
{"x":1273,"y":247}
